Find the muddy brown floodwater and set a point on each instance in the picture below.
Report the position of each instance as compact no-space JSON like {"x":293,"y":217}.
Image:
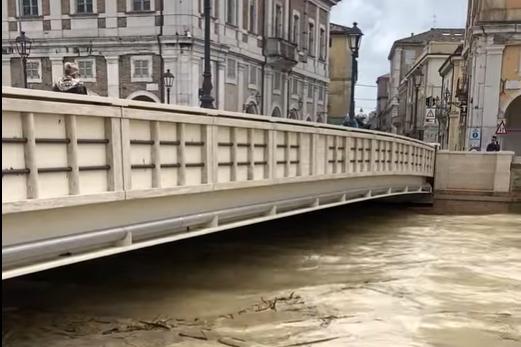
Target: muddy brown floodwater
{"x":363,"y":275}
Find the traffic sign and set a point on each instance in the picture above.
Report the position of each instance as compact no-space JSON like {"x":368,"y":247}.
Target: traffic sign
{"x":501,"y":129}
{"x":475,"y":134}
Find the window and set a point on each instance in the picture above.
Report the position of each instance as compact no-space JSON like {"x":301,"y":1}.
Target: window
{"x":277,"y":82}
{"x":29,"y":7}
{"x":410,"y":57}
{"x":253,"y":76}
{"x":141,"y":67}
{"x":231,"y":12}
{"x":295,"y":31}
{"x":294,"y":87}
{"x":310,"y":91}
{"x":321,"y":93}
{"x":322,"y":43}
{"x":253,"y":16}
{"x":84,"y":6}
{"x":34,"y":71}
{"x":231,"y":70}
{"x":278,"y":21}
{"x":311,"y":38}
{"x":141,"y":5}
{"x":87,"y":69}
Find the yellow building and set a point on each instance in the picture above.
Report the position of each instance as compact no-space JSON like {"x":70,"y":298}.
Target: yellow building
{"x":340,"y":74}
{"x":492,"y":53}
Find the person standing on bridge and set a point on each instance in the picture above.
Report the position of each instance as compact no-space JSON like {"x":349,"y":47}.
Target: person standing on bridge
{"x":494,"y":145}
{"x":70,"y":82}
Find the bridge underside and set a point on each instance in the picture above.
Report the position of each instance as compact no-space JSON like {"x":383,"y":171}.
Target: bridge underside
{"x":42,"y":239}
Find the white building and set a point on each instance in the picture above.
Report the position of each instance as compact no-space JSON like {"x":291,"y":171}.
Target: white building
{"x":268,"y":56}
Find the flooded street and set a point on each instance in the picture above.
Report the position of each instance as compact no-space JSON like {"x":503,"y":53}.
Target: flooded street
{"x":362,"y":275}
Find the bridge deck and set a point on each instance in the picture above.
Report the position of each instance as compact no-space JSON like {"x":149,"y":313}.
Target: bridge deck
{"x":84,"y":177}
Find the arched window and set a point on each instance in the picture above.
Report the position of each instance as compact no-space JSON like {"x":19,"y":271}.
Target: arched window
{"x":252,"y":108}
{"x":293,"y":114}
{"x":276,"y":112}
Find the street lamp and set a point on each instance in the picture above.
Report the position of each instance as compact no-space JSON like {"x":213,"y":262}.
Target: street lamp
{"x":168,"y":81}
{"x":206,"y":97}
{"x":355,"y":39}
{"x":23,"y":48}
{"x":418,"y":80}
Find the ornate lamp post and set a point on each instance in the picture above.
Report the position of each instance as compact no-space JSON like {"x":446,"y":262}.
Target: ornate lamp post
{"x":355,"y":39}
{"x":206,"y":97}
{"x":168,"y":82}
{"x":418,"y":80}
{"x":23,"y":48}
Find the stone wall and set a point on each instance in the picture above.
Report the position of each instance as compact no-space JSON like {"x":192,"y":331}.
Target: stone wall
{"x":473,"y":171}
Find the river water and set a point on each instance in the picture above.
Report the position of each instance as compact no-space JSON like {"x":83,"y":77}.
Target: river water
{"x":363,"y":275}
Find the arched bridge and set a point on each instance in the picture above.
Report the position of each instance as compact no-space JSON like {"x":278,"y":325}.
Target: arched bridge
{"x":85,"y":177}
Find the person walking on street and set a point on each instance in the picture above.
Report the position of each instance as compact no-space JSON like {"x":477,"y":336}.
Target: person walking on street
{"x":70,"y":82}
{"x":493,"y":146}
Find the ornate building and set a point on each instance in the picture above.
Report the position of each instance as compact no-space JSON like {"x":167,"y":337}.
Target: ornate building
{"x":268,"y":56}
{"x":492,"y":73}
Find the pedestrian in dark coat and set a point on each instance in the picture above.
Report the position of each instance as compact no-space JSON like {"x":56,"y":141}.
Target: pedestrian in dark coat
{"x":494,"y":145}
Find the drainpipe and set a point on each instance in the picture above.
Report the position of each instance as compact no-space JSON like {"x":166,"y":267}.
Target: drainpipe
{"x":160,"y":48}
{"x":263,"y":72}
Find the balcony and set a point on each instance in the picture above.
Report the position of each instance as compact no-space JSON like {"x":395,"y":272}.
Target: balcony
{"x":281,"y":54}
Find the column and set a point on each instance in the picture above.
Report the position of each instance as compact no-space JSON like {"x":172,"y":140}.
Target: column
{"x":285,"y":20}
{"x":268,"y":16}
{"x":268,"y":76}
{"x":284,"y":91}
{"x":240,"y":86}
{"x":6,"y":71}
{"x":494,"y":61}
{"x":220,"y":79}
{"x":194,"y":81}
{"x":111,"y":11}
{"x":112,"y":76}
{"x":56,"y":68}
{"x":55,"y":8}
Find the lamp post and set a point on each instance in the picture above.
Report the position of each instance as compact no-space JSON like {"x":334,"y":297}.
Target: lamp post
{"x":206,"y":97}
{"x":168,"y":81}
{"x":355,"y":38}
{"x":23,"y":48}
{"x":418,"y":80}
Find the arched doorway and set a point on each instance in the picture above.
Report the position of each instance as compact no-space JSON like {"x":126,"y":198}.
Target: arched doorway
{"x":512,"y":140}
{"x":276,"y":112}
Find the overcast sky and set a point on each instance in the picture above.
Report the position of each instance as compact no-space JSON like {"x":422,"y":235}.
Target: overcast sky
{"x":385,"y":21}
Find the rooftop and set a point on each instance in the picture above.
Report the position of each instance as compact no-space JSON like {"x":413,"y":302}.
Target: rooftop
{"x":436,"y":34}
{"x":339,"y":29}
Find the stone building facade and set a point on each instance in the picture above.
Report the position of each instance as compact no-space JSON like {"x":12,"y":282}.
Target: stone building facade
{"x":383,"y":119}
{"x":268,"y":56}
{"x":492,"y":73}
{"x":340,"y":73}
{"x":408,"y":57}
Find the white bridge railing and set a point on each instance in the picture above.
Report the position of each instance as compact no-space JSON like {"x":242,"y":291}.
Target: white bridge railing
{"x":90,"y":176}
{"x":59,"y":150}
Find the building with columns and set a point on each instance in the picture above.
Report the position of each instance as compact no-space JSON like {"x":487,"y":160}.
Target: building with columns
{"x":492,"y":73}
{"x":268,"y":56}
